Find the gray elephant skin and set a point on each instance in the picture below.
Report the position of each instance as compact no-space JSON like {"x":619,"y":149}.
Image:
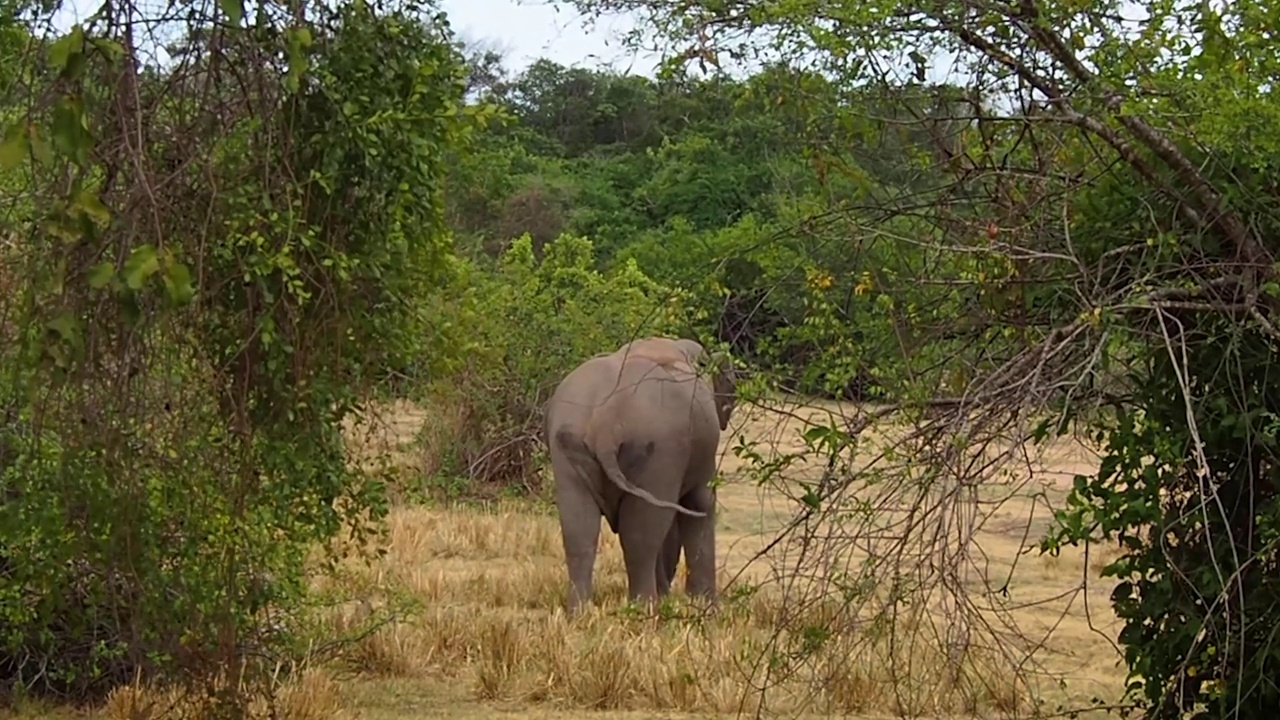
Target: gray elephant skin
{"x":633,"y":436}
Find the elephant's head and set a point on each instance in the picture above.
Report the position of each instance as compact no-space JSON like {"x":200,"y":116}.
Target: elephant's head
{"x":724,"y":382}
{"x":718,"y":365}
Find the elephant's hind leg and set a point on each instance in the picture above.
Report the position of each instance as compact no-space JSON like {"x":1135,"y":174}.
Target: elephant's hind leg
{"x":668,"y":558}
{"x":579,"y":529}
{"x":698,"y":534}
{"x":642,"y":530}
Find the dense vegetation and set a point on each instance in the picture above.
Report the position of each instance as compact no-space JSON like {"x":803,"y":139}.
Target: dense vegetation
{"x":207,"y":262}
{"x":716,"y":188}
{"x":213,"y":259}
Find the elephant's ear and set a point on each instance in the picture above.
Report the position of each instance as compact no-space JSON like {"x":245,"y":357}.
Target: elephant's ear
{"x":724,"y":384}
{"x":719,"y":363}
{"x":706,"y":365}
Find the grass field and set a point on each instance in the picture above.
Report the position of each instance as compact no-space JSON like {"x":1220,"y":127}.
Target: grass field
{"x":490,"y":638}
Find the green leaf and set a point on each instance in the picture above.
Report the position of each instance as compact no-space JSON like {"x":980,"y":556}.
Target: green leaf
{"x":811,"y":499}
{"x":68,"y":129}
{"x":66,"y":54}
{"x":14,"y":146}
{"x":233,"y":9}
{"x":101,"y":274}
{"x":89,"y":204}
{"x":302,"y":36}
{"x":40,"y":146}
{"x":142,"y":264}
{"x":296,"y":42}
{"x":65,"y":326}
{"x":177,"y":281}
{"x":112,"y":50}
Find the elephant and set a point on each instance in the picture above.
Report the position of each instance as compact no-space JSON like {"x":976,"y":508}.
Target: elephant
{"x":663,"y":349}
{"x":633,"y":436}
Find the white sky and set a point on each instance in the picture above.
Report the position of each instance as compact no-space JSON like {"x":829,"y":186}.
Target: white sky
{"x":525,"y":30}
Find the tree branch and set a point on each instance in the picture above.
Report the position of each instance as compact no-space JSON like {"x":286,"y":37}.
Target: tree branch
{"x":1210,"y":200}
{"x":1072,"y":116}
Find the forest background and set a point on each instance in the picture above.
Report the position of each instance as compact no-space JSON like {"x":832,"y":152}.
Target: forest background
{"x":217,"y":255}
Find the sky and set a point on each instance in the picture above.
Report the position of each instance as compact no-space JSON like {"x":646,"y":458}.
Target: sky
{"x":525,"y":30}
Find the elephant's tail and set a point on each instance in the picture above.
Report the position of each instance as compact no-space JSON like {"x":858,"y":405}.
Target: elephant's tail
{"x":577,"y":446}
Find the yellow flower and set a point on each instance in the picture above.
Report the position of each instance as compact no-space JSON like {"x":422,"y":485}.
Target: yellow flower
{"x":819,"y":280}
{"x":864,"y":284}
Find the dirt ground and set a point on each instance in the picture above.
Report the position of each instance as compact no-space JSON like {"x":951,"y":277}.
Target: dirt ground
{"x":491,"y":640}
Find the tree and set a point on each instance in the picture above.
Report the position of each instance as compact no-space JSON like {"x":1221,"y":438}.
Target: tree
{"x":188,"y":324}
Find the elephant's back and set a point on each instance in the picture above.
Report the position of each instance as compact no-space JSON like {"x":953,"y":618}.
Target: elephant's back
{"x":581,"y":392}
{"x":662,"y":350}
{"x":663,"y":387}
{"x":627,"y":383}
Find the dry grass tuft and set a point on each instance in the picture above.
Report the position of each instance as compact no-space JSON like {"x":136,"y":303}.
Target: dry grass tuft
{"x":314,"y":695}
{"x":311,"y":695}
{"x":134,"y":702}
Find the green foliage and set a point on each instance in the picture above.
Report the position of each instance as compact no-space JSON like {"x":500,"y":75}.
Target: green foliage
{"x":189,"y":323}
{"x":702,"y":181}
{"x":381,"y":115}
{"x":1187,"y":482}
{"x":708,"y":185}
{"x":1197,"y":609}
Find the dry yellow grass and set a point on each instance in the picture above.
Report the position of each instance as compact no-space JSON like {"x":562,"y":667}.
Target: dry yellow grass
{"x":491,"y":638}
{"x":492,"y":634}
{"x":493,"y":621}
{"x":312,"y":694}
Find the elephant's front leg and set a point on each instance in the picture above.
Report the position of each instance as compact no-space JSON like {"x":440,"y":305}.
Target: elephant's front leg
{"x":698,"y":534}
{"x":643,"y":530}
